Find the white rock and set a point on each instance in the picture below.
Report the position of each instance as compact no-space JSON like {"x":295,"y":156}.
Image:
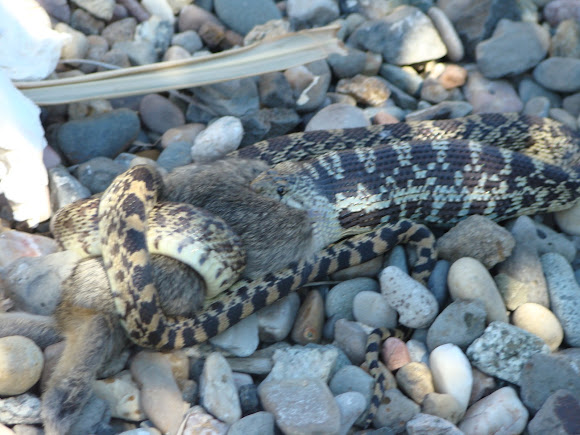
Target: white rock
{"x":540,"y":321}
{"x":416,"y":305}
{"x":451,"y":372}
{"x":218,"y":391}
{"x":425,"y":424}
{"x":99,"y":8}
{"x":21,"y":363}
{"x":123,"y":396}
{"x":351,"y":405}
{"x":160,"y":8}
{"x":76,"y":46}
{"x":29,"y":48}
{"x":299,"y":362}
{"x":240,"y":339}
{"x":469,"y":279}
{"x":501,"y":412}
{"x":219,"y":138}
{"x":23,"y":177}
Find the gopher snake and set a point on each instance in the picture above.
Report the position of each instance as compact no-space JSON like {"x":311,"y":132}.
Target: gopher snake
{"x":544,"y":140}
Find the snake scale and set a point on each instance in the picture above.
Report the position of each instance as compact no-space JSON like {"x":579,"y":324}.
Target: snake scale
{"x":383,"y":177}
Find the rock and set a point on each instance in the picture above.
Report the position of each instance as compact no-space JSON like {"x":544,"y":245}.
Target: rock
{"x":268,"y":30}
{"x":176,"y":154}
{"x":405,"y":78}
{"x":372,"y":309}
{"x":185,"y":133}
{"x":500,"y":411}
{"x":99,"y":8}
{"x":122,"y":396}
{"x":566,"y":40}
{"x":349,"y":65}
{"x":249,"y":401}
{"x":564,"y":117}
{"x":417,"y":351}
{"x":491,"y":95}
{"x":469,"y":279}
{"x":370,"y":91}
{"x":275,"y":321}
{"x":528,"y":89}
{"x":405,"y":36}
{"x":298,"y":362}
{"x":564,"y":295}
{"x":192,"y":17}
{"x":444,"y":406}
{"x":395,"y":411}
{"x":338,"y":115}
{"x":437,"y":283}
{"x":459,"y":323}
{"x":217,"y":390}
{"x":259,"y":423}
{"x":20,"y":366}
{"x":483,"y":385}
{"x":243,"y":16}
{"x":23,"y":409}
{"x":425,"y":424}
{"x":218,"y":139}
{"x":309,"y":320}
{"x":98,"y":173}
{"x":18,"y":244}
{"x":315,"y":13}
{"x":443,"y":110}
{"x":234,"y":97}
{"x":558,"y":415}
{"x":352,"y":378}
{"x":340,"y":298}
{"x":537,"y":106}
{"x":560,"y":74}
{"x":489,"y":243}
{"x":415,"y":380}
{"x":59,"y":9}
{"x":159,"y":9}
{"x":503,"y":350}
{"x":351,"y":405}
{"x":86,"y":23}
{"x":496,"y":57}
{"x":447,"y":33}
{"x":159,"y":114}
{"x":395,"y":353}
{"x":415,"y":304}
{"x":301,"y":405}
{"x":568,"y":220}
{"x":240,"y":339}
{"x":122,"y":30}
{"x":549,"y":241}
{"x":189,"y":40}
{"x":351,"y":338}
{"x":540,"y":321}
{"x":275,"y":91}
{"x":106,"y":135}
{"x":451,"y":373}
{"x":310,"y":83}
{"x":558,"y":10}
{"x":197,"y":421}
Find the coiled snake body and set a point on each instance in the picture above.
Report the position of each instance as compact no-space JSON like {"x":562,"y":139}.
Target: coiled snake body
{"x":388,"y":179}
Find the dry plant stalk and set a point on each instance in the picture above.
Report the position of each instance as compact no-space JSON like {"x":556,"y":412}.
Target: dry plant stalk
{"x":259,"y":58}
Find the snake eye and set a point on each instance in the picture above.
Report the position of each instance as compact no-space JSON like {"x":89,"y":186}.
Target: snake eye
{"x":280,"y":190}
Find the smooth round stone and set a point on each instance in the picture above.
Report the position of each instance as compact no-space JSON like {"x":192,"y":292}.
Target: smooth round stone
{"x":218,"y":139}
{"x":537,"y":106}
{"x":351,"y":405}
{"x":529,"y":89}
{"x":175,"y":155}
{"x":449,"y":36}
{"x":21,"y":363}
{"x":159,"y":114}
{"x":353,"y":378}
{"x":193,"y":17}
{"x":122,"y":395}
{"x":415,"y":304}
{"x":352,"y":339}
{"x":415,"y":380}
{"x":558,"y":414}
{"x":18,"y":244}
{"x":560,"y":74}
{"x":444,"y":406}
{"x":336,"y":116}
{"x":566,"y":41}
{"x":236,"y":98}
{"x":501,"y":409}
{"x":217,"y":390}
{"x":491,"y":95}
{"x":242,"y":17}
{"x":557,"y":11}
{"x":189,"y":40}
{"x":469,"y":279}
{"x":564,"y":295}
{"x":372,"y":309}
{"x":395,"y":353}
{"x":304,"y":13}
{"x":339,"y":300}
{"x":430,"y":424}
{"x":309,"y":320}
{"x":395,"y":411}
{"x":540,"y":321}
{"x":348,"y":65}
{"x":405,"y":78}
{"x":398,"y":257}
{"x":548,"y":240}
{"x":184,"y":133}
{"x":459,"y":323}
{"x":569,"y":220}
{"x":241,"y":339}
{"x":275,"y":321}
{"x":275,"y":91}
{"x":564,"y":117}
{"x":175,"y":52}
{"x":75,"y":46}
{"x":418,"y":351}
{"x":451,"y":373}
{"x":437,"y":283}
{"x":258,"y":423}
{"x":122,"y":30}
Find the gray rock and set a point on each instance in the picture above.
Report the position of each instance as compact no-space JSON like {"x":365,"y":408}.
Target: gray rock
{"x":405,"y":78}
{"x":558,"y":415}
{"x":566,"y":40}
{"x":564,"y":117}
{"x":105,"y":135}
{"x":97,"y":173}
{"x":338,"y":115}
{"x":444,"y":406}
{"x":259,"y":423}
{"x":157,"y":32}
{"x":234,"y":97}
{"x":139,"y":52}
{"x":543,"y":375}
{"x":307,"y":13}
{"x":275,"y":91}
{"x":503,"y":350}
{"x":64,"y":188}
{"x":460,"y":323}
{"x":560,"y":74}
{"x":529,"y":88}
{"x":449,"y":36}
{"x":443,"y":110}
{"x":298,"y":362}
{"x":491,"y":95}
{"x":122,"y":30}
{"x":249,"y":400}
{"x":310,"y":83}
{"x":189,"y":40}
{"x":437,"y":283}
{"x":353,"y":378}
{"x":23,"y":409}
{"x":564,"y":295}
{"x":242,"y":16}
{"x":240,"y":339}
{"x":99,"y":8}
{"x":496,"y":56}
{"x":550,"y":241}
{"x":415,"y":380}
{"x":86,"y":23}
{"x":217,"y":390}
{"x":349,"y":65}
{"x":340,"y":298}
{"x":372,"y":309}
{"x":425,"y":424}
{"x":560,"y":10}
{"x":351,"y":338}
{"x":351,"y":405}
{"x":537,"y":106}
{"x":403,"y":37}
{"x":275,"y":321}
{"x":159,"y":114}
{"x":176,"y":154}
{"x":571,"y":104}
{"x":395,"y":411}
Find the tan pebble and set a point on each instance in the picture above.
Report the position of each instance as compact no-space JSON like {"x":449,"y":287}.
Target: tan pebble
{"x":443,"y":405}
{"x":415,"y":380}
{"x":372,"y":91}
{"x":540,"y":321}
{"x":310,"y":319}
{"x":453,"y":76}
{"x":384,"y":118}
{"x":21,"y":363}
{"x":183,"y":133}
{"x":179,"y":364}
{"x":469,"y":279}
{"x":395,"y":353}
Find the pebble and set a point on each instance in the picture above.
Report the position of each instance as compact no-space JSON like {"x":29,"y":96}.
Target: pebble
{"x":537,"y":106}
{"x":232,"y":98}
{"x":86,"y":23}
{"x":249,"y":400}
{"x":369,"y":91}
{"x":122,"y":30}
{"x":415,"y":380}
{"x":568,"y":220}
{"x":304,"y":406}
{"x":244,"y":16}
{"x":217,"y":390}
{"x":17,"y":244}
{"x":571,"y":104}
{"x":418,"y":351}
{"x":105,"y":135}
{"x":159,"y":9}
{"x":349,"y":65}
{"x":483,"y":385}
{"x":159,"y":114}
{"x":353,"y":378}
{"x":564,"y":117}
{"x":275,"y":91}
{"x":20,"y":365}
{"x":192,"y":17}
{"x":397,"y":257}
{"x":339,"y":300}
{"x":372,"y":309}
{"x":448,"y":34}
{"x":395,"y":411}
{"x":310,"y":83}
{"x":425,"y":424}
{"x":306,"y":13}
{"x":503,"y":350}
{"x":97,"y":173}
{"x":102,"y":9}
{"x":74,"y":47}
{"x":469,"y":279}
{"x":309,"y":320}
{"x":491,"y":95}
{"x":451,"y":373}
{"x":338,"y":115}
{"x":564,"y":295}
{"x":268,"y":30}
{"x":259,"y":423}
{"x":540,"y":321}
{"x":122,"y":396}
{"x":241,"y":339}
{"x":395,"y":34}
{"x":189,"y":40}
{"x":405,"y":78}
{"x":23,"y":409}
{"x":558,"y":10}
{"x":558,"y":414}
{"x":184,"y":133}
{"x":445,"y":109}
{"x":174,"y":155}
{"x":218,"y":139}
{"x":566,"y":40}
{"x":444,"y":406}
{"x":298,"y":362}
{"x":528,"y":88}
{"x":395,"y":353}
{"x":489,"y":243}
{"x":161,"y":399}
{"x":501,"y":411}
{"x":198,"y":421}
{"x":415,"y":304}
{"x":560,"y":74}
{"x":351,"y":405}
{"x":437,"y":283}
{"x":550,"y":241}
{"x":496,"y":57}
{"x":351,"y":338}
{"x":460,"y":323}
{"x":275,"y":321}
